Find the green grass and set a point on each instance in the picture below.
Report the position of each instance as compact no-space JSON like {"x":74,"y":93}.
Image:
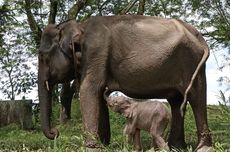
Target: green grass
{"x":71,"y":138}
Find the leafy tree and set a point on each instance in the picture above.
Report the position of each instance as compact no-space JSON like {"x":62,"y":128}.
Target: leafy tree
{"x":211,"y":17}
{"x":15,"y":68}
{"x":215,"y":25}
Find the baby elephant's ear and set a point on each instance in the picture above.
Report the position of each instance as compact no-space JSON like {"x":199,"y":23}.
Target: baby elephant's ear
{"x":128,"y":113}
{"x":128,"y":101}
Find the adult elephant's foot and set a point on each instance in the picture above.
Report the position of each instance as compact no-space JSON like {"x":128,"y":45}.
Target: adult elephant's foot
{"x":205,"y":143}
{"x":93,"y":147}
{"x":205,"y":149}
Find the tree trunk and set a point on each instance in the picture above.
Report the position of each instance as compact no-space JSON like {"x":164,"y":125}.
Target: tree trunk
{"x":141,"y":7}
{"x":128,"y":7}
{"x":74,"y":10}
{"x":37,"y":32}
{"x":53,"y":11}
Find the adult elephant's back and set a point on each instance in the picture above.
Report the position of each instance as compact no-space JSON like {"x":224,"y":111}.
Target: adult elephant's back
{"x":152,"y":54}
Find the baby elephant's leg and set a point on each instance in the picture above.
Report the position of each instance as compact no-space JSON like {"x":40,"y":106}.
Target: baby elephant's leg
{"x":154,"y":144}
{"x":160,"y":142}
{"x":137,"y":140}
{"x":130,"y":138}
{"x":128,"y":134}
{"x":157,"y":137}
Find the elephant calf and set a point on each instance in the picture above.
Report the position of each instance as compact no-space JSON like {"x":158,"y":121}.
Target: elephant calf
{"x":151,"y":116}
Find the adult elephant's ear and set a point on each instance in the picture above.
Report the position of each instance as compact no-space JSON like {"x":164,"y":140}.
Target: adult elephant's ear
{"x":76,"y":38}
{"x":76,"y":49}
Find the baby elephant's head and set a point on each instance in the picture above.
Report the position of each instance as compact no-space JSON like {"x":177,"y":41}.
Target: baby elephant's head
{"x":118,"y":104}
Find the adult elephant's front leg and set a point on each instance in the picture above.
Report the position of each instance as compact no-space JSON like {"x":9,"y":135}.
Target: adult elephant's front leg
{"x":95,"y":114}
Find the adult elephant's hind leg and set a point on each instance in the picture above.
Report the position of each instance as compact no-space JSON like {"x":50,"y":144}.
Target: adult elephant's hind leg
{"x":176,"y":135}
{"x":66,"y":99}
{"x":197,"y":99}
{"x":104,"y":125}
{"x":94,"y":113}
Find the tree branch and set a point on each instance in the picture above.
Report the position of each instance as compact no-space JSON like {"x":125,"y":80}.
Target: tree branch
{"x":53,"y":11}
{"x":128,"y":7}
{"x":32,"y":23}
{"x":221,"y":12}
{"x":164,"y":7}
{"x":100,"y":8}
{"x":141,"y":7}
{"x":73,"y":12}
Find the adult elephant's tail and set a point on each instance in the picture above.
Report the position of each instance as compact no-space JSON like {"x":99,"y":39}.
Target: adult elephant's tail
{"x":201,"y":63}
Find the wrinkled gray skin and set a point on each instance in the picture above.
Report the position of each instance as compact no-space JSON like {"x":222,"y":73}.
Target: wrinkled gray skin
{"x":143,"y":57}
{"x":151,"y":116}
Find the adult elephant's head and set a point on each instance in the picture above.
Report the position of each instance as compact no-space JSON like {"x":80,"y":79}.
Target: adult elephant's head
{"x":59,"y":60}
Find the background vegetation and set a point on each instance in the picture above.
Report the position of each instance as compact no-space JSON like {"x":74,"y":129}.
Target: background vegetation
{"x":21,"y":24}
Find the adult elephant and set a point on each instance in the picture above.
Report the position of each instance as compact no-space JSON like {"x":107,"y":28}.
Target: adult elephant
{"x":143,"y":57}
{"x":57,"y":64}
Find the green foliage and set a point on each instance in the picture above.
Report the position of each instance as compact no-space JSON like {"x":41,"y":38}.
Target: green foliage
{"x":211,"y":17}
{"x":223,"y":114}
{"x":221,"y":128}
{"x":190,"y":127}
{"x":15,"y":71}
{"x":216,"y":15}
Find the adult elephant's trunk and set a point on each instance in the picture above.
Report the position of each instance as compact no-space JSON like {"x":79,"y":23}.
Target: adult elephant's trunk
{"x":45,"y":96}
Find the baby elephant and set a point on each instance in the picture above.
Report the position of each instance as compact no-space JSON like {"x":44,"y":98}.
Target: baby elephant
{"x":151,"y":116}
